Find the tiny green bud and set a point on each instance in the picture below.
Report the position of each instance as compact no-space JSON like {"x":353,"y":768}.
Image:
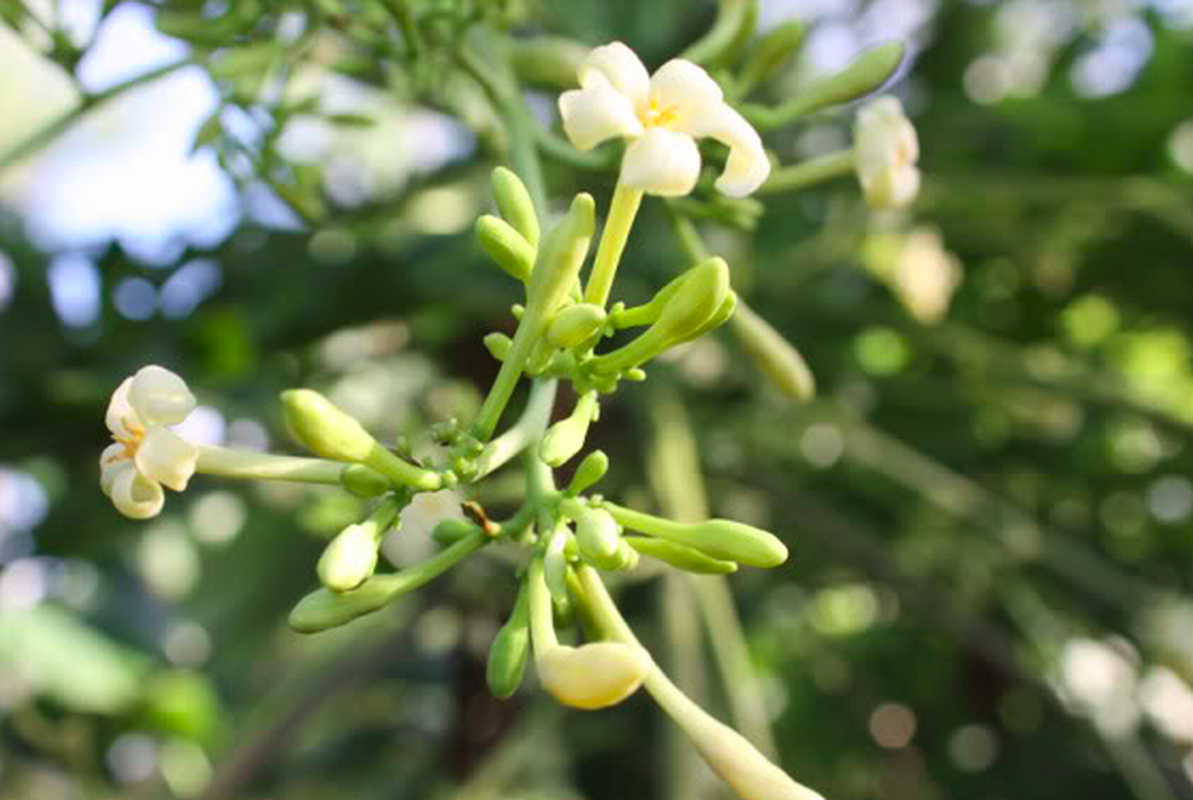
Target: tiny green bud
{"x":349,"y":559}
{"x":575,"y":324}
{"x":680,"y":555}
{"x":510,"y":650}
{"x":774,"y":355}
{"x":597,"y":534}
{"x":591,"y":469}
{"x":517,"y":310}
{"x":453,"y":529}
{"x":324,"y":428}
{"x":637,"y":375}
{"x":515,"y":205}
{"x":364,"y":481}
{"x":565,"y":438}
{"x":720,"y":538}
{"x":498,"y":345}
{"x":506,"y":246}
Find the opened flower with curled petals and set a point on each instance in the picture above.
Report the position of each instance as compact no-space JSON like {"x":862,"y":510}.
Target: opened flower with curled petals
{"x":662,"y":115}
{"x":886,"y":148}
{"x":146,"y":454}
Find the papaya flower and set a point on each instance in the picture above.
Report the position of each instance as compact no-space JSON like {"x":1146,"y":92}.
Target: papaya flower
{"x":662,"y":116}
{"x":147,"y":454}
{"x":886,"y":149}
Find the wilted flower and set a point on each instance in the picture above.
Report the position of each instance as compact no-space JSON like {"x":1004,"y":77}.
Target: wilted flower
{"x":886,"y":149}
{"x":146,"y":454}
{"x":662,"y":115}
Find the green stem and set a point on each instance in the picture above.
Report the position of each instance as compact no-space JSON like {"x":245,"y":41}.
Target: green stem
{"x":53,"y":128}
{"x":506,"y":380}
{"x":811,"y":172}
{"x":401,"y":472}
{"x":542,"y":620}
{"x":622,"y":211}
{"x":528,"y":429}
{"x":250,"y":465}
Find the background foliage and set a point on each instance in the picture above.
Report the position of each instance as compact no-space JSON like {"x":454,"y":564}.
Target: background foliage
{"x":989,"y":516}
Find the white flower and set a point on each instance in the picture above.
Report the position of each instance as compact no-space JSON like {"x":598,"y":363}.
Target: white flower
{"x":886,"y":148}
{"x":662,"y":115}
{"x":926,"y":275}
{"x":146,"y":453}
{"x":594,"y":675}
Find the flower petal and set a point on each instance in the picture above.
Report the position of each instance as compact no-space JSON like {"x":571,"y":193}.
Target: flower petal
{"x":661,"y":162}
{"x":891,"y":188}
{"x":747,"y":167}
{"x":136,"y":496}
{"x":596,"y":675}
{"x":621,"y":68}
{"x":112,"y":462}
{"x":167,"y":458}
{"x":160,"y":397}
{"x":682,"y":85}
{"x":121,"y":419}
{"x":592,"y":115}
{"x":886,"y":148}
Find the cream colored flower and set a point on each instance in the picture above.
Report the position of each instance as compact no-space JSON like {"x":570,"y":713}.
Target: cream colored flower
{"x":886,"y":148}
{"x":147,"y":454}
{"x":926,"y":275}
{"x":594,"y":675}
{"x":662,"y":115}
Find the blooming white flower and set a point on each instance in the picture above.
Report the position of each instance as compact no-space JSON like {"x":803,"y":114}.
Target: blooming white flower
{"x":886,"y":148}
{"x":662,"y":115}
{"x":147,"y":454}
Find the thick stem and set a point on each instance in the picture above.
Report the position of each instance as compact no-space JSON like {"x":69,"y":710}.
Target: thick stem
{"x":251,"y":465}
{"x":811,"y":172}
{"x":622,"y":211}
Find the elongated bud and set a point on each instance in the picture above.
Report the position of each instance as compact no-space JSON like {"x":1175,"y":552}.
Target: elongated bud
{"x":591,"y":469}
{"x":720,"y":538}
{"x":681,"y":556}
{"x":514,"y":203}
{"x":506,"y":246}
{"x":565,"y":438}
{"x":863,"y":75}
{"x":349,"y":559}
{"x":324,"y":609}
{"x":498,"y":345}
{"x":575,"y":324}
{"x":775,"y":356}
{"x":510,"y":650}
{"x":719,"y":317}
{"x":452,"y":529}
{"x":325,"y":429}
{"x":560,"y":257}
{"x":597,"y":534}
{"x":364,"y":481}
{"x":771,"y":52}
{"x":698,"y":298}
{"x":595,"y":675}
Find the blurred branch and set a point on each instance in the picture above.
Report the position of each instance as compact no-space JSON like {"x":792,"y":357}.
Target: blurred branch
{"x":87,"y":103}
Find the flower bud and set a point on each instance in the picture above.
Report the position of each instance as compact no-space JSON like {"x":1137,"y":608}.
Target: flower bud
{"x":773,"y":354}
{"x":515,"y":205}
{"x":505,"y":246}
{"x":575,"y":324}
{"x":510,"y":650}
{"x":325,"y":429}
{"x":548,"y":61}
{"x":596,"y":675}
{"x":681,"y":556}
{"x":452,"y":529}
{"x":565,"y":438}
{"x":597,"y":534}
{"x":324,"y":609}
{"x":560,"y":257}
{"x":863,"y":75}
{"x":720,"y":538}
{"x":498,"y":345}
{"x":349,"y":559}
{"x":591,"y":469}
{"x":364,"y":481}
{"x":771,"y":52}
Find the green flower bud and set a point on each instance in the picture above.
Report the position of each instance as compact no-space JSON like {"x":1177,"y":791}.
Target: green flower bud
{"x":549,"y":61}
{"x":575,"y":324}
{"x":680,"y":555}
{"x":773,"y":354}
{"x":863,"y":75}
{"x":597,"y":534}
{"x":498,"y":345}
{"x":560,"y":258}
{"x":325,"y":429}
{"x":720,"y":538}
{"x":719,"y":317}
{"x":565,"y":438}
{"x":771,"y":52}
{"x":453,"y":529}
{"x":349,"y":559}
{"x":591,"y":469}
{"x":689,"y":307}
{"x":506,"y":246}
{"x":510,"y":650}
{"x":363,"y":481}
{"x":514,"y":203}
{"x":324,"y":609}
